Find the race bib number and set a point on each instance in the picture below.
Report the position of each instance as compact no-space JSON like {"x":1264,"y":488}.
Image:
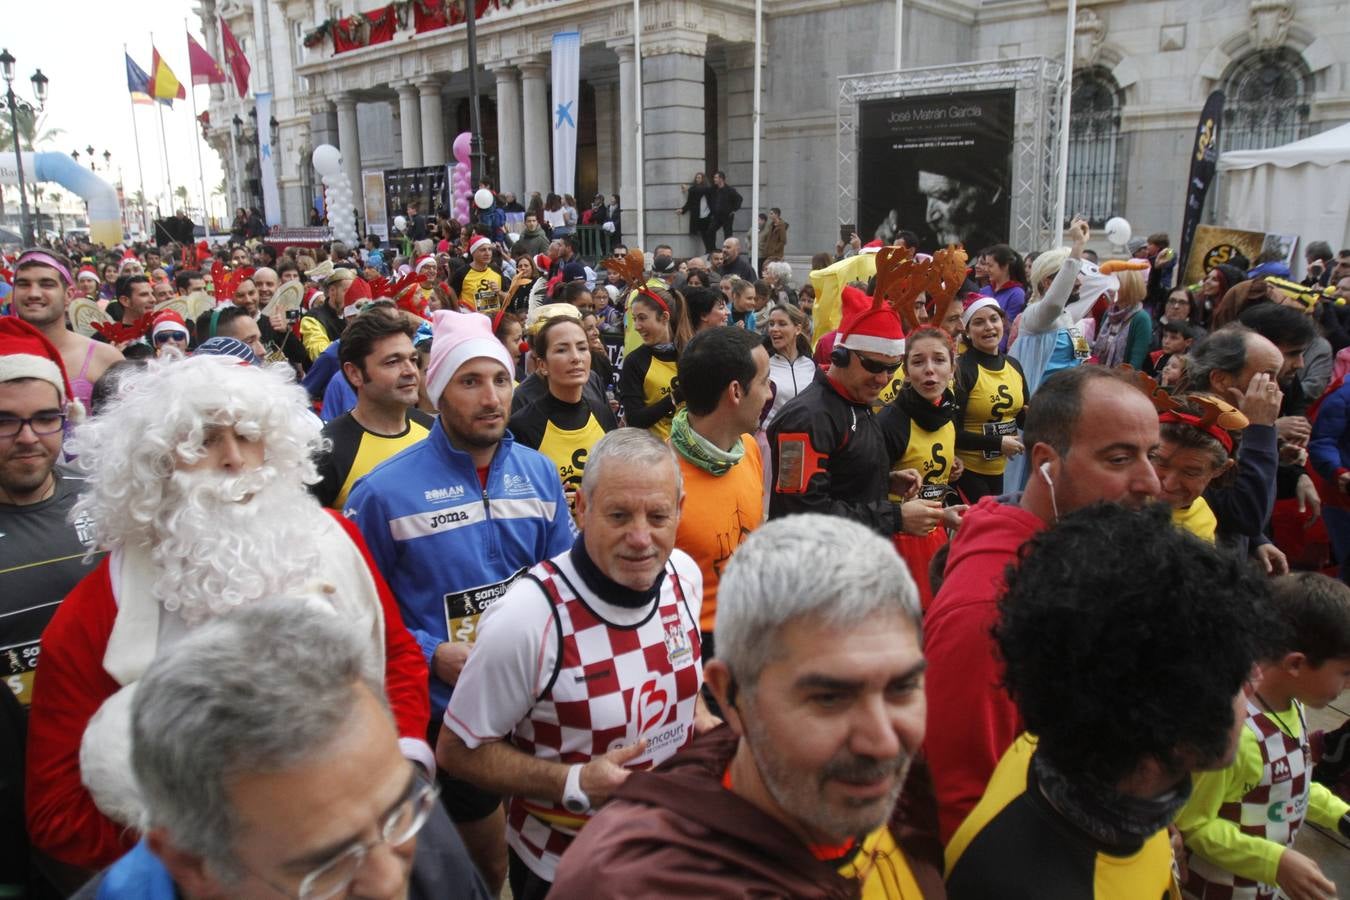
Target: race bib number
{"x":462,"y":608}
{"x":999,"y":429}
{"x":1081,"y":349}
{"x":487,"y":300}
{"x":932,"y":492}
{"x":20,"y":667}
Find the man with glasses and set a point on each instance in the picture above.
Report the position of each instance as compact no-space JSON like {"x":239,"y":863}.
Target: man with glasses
{"x":281,"y":778}
{"x":169,"y":331}
{"x":830,"y":453}
{"x":42,"y":553}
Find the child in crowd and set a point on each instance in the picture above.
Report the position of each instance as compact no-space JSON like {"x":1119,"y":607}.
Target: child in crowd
{"x":1240,"y":822}
{"x":1177,"y":338}
{"x":1171,"y":373}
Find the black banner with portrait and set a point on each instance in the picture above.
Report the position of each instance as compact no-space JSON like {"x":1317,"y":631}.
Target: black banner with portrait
{"x":939,"y":165}
{"x":428,"y":185}
{"x":1204,"y":160}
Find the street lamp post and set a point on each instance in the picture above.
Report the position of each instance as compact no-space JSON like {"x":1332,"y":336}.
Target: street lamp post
{"x":236,"y":131}
{"x":39,"y":82}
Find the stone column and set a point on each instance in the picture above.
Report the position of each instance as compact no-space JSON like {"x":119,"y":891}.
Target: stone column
{"x":433,"y":126}
{"x":627,"y":144}
{"x":538,"y":137}
{"x":606,"y":137}
{"x":510,"y":149}
{"x":673,"y":120}
{"x":349,"y":142}
{"x":410,"y":126}
{"x":739,"y":80}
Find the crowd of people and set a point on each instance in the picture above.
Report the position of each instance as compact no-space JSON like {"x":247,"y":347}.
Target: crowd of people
{"x":416,"y":570}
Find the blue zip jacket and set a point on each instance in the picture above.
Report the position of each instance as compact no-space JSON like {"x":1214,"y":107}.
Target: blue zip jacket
{"x":449,"y":547}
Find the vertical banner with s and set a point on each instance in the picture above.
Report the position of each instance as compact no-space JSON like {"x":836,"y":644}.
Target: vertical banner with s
{"x":1204,"y":158}
{"x":266,"y":165}
{"x":566,"y":91}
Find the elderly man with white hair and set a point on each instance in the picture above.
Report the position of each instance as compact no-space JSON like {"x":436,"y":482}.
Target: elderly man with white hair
{"x":273,"y":778}
{"x":196,"y":486}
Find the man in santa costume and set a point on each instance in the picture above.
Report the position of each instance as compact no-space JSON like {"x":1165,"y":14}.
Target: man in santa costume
{"x":196,"y":486}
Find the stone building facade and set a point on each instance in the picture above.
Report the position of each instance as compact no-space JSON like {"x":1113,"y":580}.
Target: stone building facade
{"x":1142,"y":71}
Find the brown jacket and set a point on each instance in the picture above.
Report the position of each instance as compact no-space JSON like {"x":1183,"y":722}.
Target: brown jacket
{"x":676,"y":832}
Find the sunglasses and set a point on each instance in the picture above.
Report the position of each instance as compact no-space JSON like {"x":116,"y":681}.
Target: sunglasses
{"x":165,"y":336}
{"x":875,"y":366}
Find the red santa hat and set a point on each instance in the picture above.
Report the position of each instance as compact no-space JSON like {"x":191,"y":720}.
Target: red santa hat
{"x":421,"y":261}
{"x":358,"y":292}
{"x":477,"y":240}
{"x":167,"y":320}
{"x":543,"y":262}
{"x":875,"y":330}
{"x":88,"y":271}
{"x":25,"y":352}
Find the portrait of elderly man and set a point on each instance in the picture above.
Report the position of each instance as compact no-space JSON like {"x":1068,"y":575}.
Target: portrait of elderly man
{"x":196,"y":485}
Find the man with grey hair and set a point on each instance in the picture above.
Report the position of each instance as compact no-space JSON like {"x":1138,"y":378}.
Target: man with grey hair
{"x":588,"y":667}
{"x":821,"y":683}
{"x":283,"y":775}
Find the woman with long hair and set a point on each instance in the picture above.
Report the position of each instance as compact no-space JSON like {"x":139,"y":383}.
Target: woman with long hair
{"x":648,"y":385}
{"x":791,"y":368}
{"x":1007,"y":280}
{"x":1218,"y":282}
{"x":696,"y":195}
{"x":554,"y":218}
{"x":922,"y":419}
{"x":992,"y":395}
{"x":1127,"y":329}
{"x":562,"y":425}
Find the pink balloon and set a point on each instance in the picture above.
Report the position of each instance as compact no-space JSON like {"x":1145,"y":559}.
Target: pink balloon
{"x":461,"y":147}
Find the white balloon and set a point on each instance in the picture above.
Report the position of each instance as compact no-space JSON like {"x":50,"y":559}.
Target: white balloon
{"x":1118,"y":231}
{"x":400,"y":223}
{"x":327,"y":159}
{"x":483,"y":199}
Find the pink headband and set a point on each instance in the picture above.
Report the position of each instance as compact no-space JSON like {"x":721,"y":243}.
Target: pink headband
{"x":43,"y":258}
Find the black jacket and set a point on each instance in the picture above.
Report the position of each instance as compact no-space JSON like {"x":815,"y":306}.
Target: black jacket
{"x":832,"y":455}
{"x":724,"y":201}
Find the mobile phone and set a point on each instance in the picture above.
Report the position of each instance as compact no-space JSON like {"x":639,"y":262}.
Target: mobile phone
{"x":846,"y":232}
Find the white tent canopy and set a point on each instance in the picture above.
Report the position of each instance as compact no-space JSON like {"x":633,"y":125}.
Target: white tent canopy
{"x":1301,"y":188}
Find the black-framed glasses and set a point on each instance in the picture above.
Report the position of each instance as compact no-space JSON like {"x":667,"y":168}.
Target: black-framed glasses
{"x":875,"y":366}
{"x":42,"y":424}
{"x":399,"y":827}
{"x":164,"y":337}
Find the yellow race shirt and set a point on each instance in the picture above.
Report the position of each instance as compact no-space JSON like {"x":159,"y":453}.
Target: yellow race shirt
{"x":1197,"y":518}
{"x":991,"y":408}
{"x":482,"y":290}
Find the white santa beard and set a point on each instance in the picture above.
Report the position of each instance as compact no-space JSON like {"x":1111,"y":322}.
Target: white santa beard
{"x":224,"y":541}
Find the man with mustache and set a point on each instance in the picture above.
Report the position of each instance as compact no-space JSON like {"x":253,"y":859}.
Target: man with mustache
{"x":800,"y":793}
{"x":196,"y":484}
{"x":452,"y":521}
{"x":590,"y":667}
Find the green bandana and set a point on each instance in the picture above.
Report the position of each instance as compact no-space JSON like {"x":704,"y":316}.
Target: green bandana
{"x":698,"y":450}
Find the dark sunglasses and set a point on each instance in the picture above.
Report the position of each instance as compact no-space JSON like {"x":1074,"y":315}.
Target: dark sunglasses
{"x":165,"y":336}
{"x":876,"y":367}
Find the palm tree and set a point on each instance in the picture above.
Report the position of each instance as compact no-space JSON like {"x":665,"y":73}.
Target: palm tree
{"x":31,"y":135}
{"x":181,"y":192}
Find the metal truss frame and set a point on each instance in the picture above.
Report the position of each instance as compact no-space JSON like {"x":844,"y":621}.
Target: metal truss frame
{"x":1036,"y":82}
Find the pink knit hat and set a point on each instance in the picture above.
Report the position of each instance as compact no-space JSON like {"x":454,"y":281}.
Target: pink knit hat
{"x":456,"y":338}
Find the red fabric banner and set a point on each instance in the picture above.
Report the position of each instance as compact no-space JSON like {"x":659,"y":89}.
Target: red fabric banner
{"x":480,"y":7}
{"x":364,"y":29}
{"x":428,"y":15}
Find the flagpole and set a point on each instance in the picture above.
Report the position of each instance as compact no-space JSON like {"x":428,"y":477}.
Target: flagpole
{"x":164,"y":141}
{"x":140,"y":172}
{"x":196,"y":141}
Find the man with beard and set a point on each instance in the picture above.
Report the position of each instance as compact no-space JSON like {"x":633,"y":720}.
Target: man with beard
{"x":1128,"y":677}
{"x":800,"y":793}
{"x":1091,"y":434}
{"x":41,"y":294}
{"x":380,"y":363}
{"x":196,"y":484}
{"x":451,"y":522}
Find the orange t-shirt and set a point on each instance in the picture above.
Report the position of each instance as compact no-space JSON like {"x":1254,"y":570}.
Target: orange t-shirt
{"x":719,"y":511}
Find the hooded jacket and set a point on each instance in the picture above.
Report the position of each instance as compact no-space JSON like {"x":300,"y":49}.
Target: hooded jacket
{"x":677,"y":832}
{"x":971,"y":719}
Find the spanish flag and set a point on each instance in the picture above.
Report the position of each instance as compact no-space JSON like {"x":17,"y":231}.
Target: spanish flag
{"x":164,"y":85}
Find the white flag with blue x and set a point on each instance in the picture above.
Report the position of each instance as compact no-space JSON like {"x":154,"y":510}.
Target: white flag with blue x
{"x":566,"y":88}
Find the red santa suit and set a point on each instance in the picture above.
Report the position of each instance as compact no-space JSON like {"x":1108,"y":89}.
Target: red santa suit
{"x":102,"y":639}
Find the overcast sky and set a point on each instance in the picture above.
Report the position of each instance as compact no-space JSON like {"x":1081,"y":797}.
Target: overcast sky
{"x":79,"y":47}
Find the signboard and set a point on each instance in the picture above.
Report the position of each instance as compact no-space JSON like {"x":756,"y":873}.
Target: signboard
{"x":372,"y":189}
{"x":1215,"y":246}
{"x":430,"y":185}
{"x":939,"y":165}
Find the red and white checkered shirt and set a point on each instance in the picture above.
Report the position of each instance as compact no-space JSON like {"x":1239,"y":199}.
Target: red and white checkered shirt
{"x":1273,"y":810}
{"x":612,"y":684}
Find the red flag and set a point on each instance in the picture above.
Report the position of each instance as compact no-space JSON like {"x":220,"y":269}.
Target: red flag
{"x":204,"y":68}
{"x":234,"y":57}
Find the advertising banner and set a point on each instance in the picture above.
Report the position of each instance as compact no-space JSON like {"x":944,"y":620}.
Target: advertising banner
{"x":566,"y":91}
{"x":939,"y":165}
{"x":266,"y":165}
{"x":1204,"y":158}
{"x":428,"y":184}
{"x":372,"y":189}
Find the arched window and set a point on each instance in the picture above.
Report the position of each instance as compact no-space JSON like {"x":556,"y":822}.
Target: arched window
{"x":1265,"y":101}
{"x":1095,"y":157}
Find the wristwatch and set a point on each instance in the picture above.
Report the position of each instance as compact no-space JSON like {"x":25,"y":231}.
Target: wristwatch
{"x":574,"y":798}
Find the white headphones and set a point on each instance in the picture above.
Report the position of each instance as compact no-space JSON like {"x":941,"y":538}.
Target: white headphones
{"x":1045,"y":473}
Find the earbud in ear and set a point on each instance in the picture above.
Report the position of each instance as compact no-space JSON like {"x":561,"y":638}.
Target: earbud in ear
{"x":1045,"y":474}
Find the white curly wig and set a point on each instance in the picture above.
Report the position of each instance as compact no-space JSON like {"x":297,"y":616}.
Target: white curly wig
{"x":158,"y":421}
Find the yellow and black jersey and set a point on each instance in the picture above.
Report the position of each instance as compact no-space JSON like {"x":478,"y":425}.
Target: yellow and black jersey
{"x":564,"y":432}
{"x":645,"y":388}
{"x":355,"y":451}
{"x":992,"y":394}
{"x":927,"y":434}
{"x":1014,"y":845}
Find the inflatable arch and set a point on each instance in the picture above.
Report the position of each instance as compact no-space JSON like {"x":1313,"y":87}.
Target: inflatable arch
{"x":105,"y":216}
